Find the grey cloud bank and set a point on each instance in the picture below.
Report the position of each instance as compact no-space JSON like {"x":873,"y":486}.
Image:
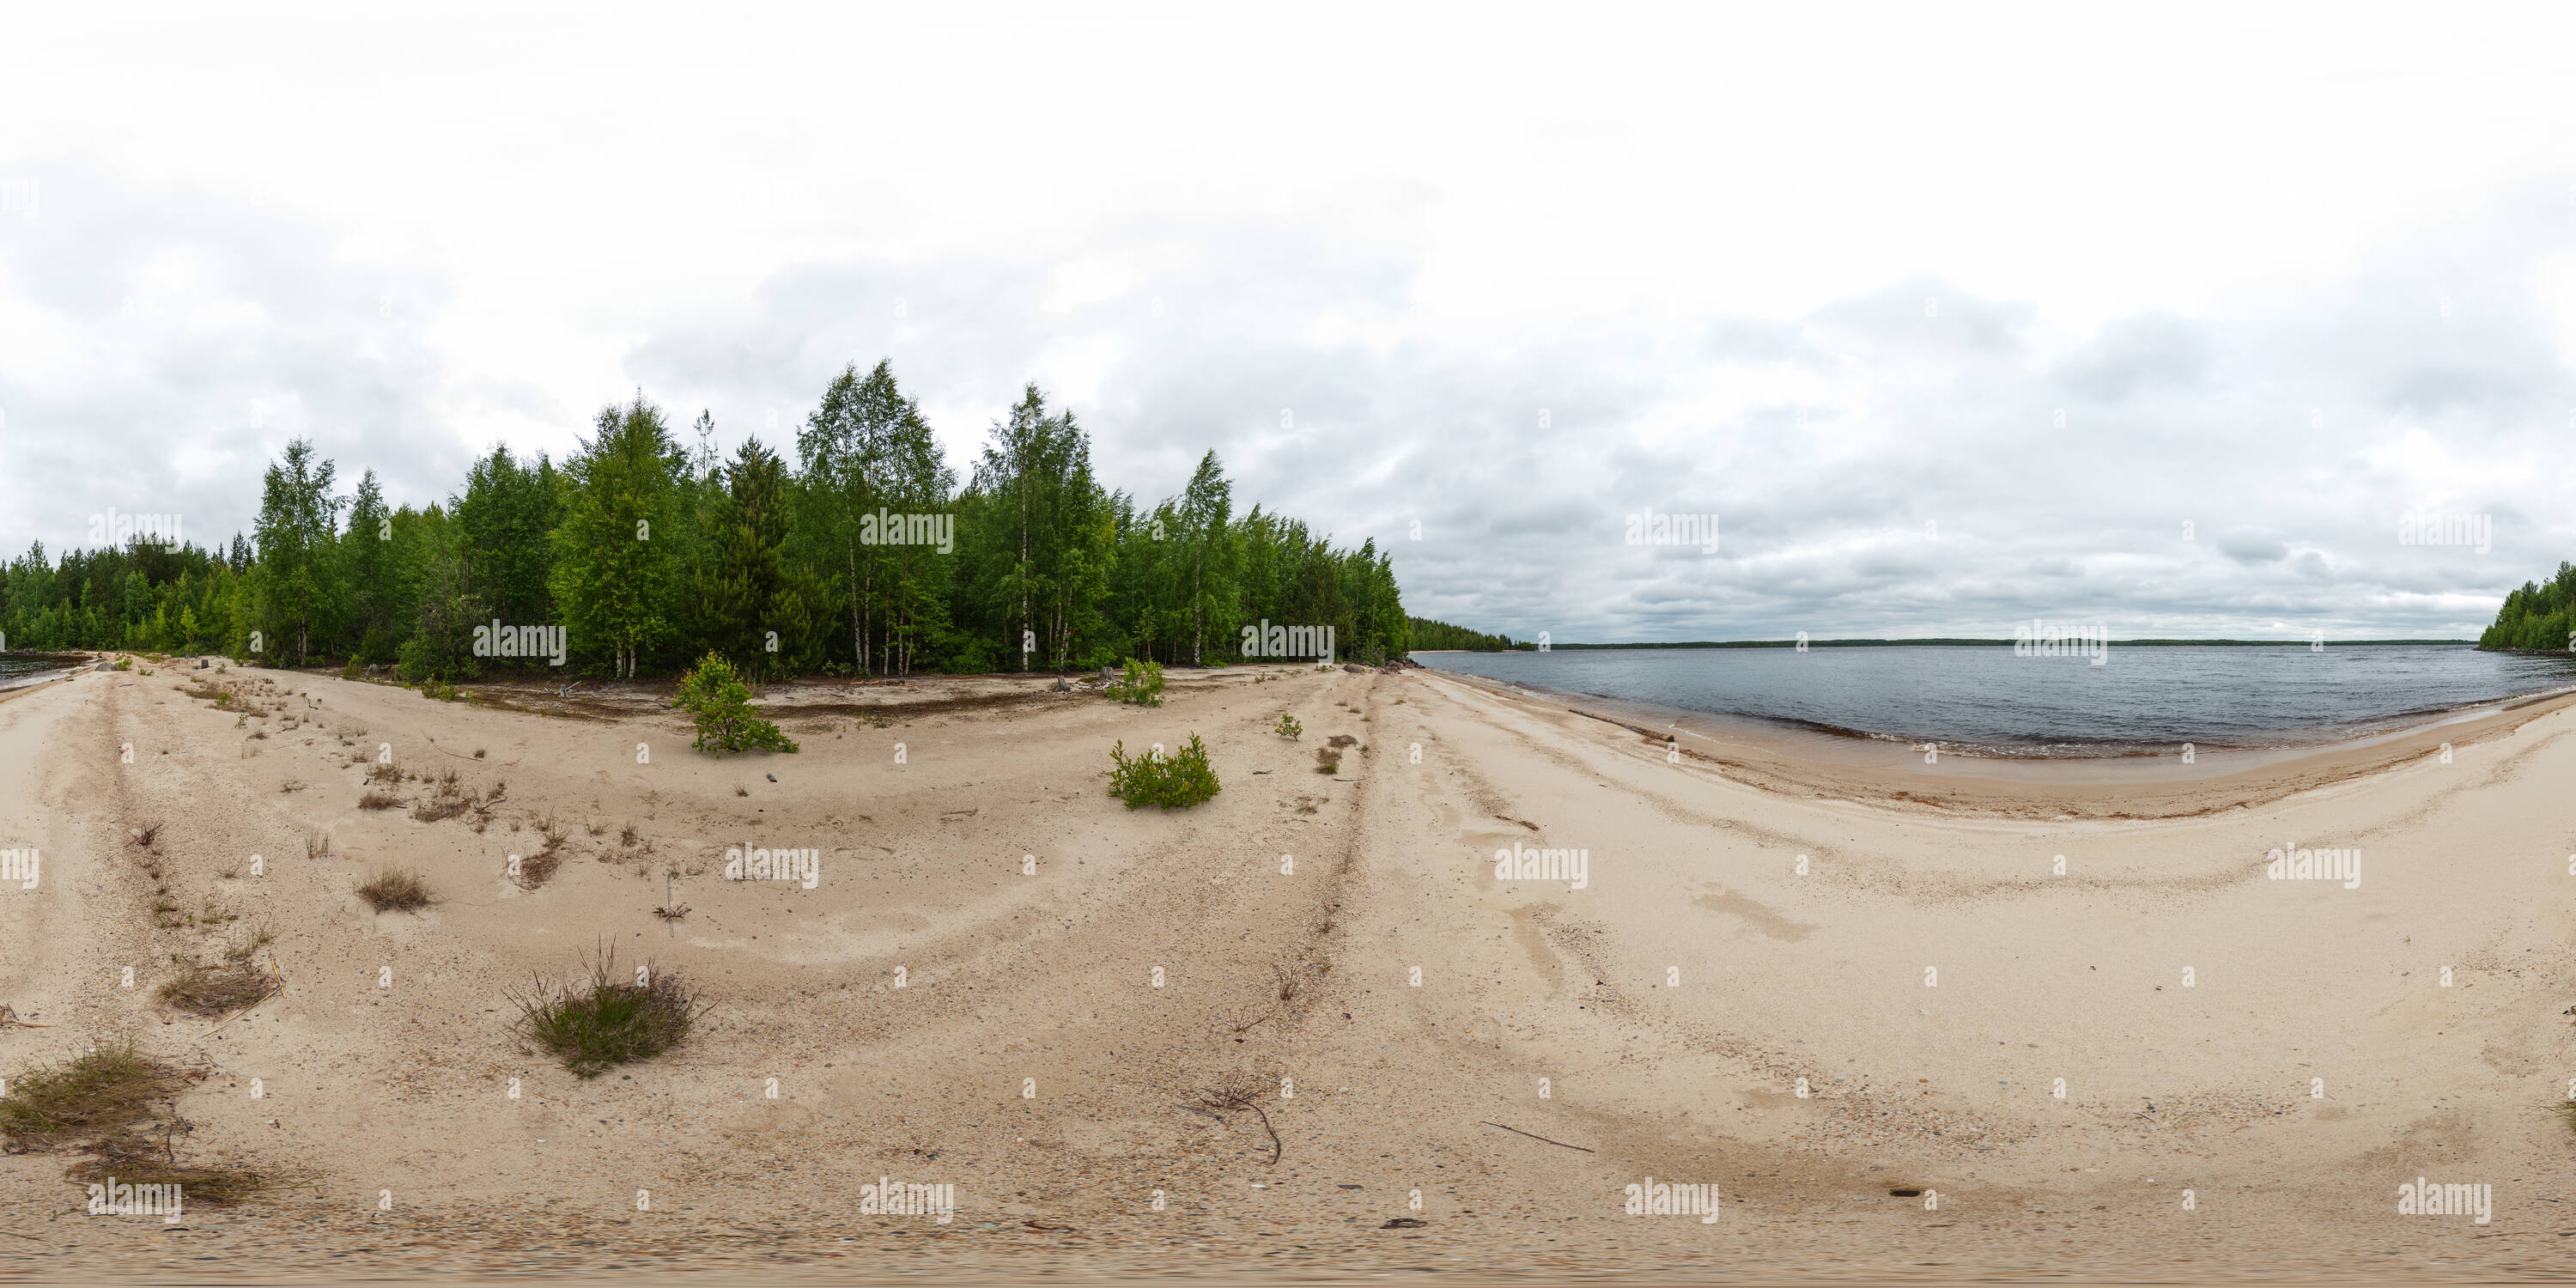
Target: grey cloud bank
{"x":1915,"y":460}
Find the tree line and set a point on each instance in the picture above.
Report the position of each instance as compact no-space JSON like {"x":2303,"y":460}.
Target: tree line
{"x":864,"y":555}
{"x":1428,"y":634}
{"x":2541,"y":615}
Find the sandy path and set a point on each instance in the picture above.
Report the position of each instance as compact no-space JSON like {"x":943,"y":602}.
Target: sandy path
{"x":1042,"y":983}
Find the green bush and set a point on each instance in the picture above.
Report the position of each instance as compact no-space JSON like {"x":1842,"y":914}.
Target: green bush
{"x":1142,"y":684}
{"x":1165,"y":782}
{"x":1288,"y":726}
{"x":715,"y":696}
{"x":610,"y":1022}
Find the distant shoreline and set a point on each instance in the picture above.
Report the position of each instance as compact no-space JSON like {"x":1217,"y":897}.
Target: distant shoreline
{"x":1960,"y":642}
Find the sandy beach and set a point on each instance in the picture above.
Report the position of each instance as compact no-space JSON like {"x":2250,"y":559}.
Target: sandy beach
{"x":1809,"y":986}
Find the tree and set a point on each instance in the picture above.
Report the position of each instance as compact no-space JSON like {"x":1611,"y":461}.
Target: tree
{"x":742,"y":587}
{"x":298,"y":516}
{"x":611,"y":575}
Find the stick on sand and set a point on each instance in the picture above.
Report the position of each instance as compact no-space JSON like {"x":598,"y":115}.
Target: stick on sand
{"x":1535,"y":1136}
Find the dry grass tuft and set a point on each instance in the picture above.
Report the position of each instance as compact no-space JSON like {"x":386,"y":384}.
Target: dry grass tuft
{"x":108,"y":1089}
{"x":139,"y":1160}
{"x":610,"y":1020}
{"x":397,"y":890}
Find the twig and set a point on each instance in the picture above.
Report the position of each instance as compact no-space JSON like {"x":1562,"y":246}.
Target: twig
{"x":1535,"y":1136}
{"x":1274,"y":1132}
{"x":1220,"y":1118}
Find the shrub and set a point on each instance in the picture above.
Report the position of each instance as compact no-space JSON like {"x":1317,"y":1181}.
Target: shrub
{"x":398,"y":889}
{"x":111,"y":1087}
{"x":612,"y":1021}
{"x":713,"y":695}
{"x":214,"y":990}
{"x":1141,"y":684}
{"x":1288,"y":726}
{"x":1166,"y":782}
{"x":137,"y":1159}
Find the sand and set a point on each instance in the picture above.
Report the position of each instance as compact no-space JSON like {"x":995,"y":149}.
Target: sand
{"x":1902,"y":943}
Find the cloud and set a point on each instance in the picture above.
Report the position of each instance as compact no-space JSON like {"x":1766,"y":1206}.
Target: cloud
{"x":1917,"y":458}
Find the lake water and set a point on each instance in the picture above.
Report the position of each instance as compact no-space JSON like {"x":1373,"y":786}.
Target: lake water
{"x":1984,"y":700}
{"x":18,"y":669}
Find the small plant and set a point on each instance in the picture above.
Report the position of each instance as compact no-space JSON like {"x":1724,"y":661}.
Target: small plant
{"x":1167,"y":782}
{"x":614,"y":1020}
{"x":138,"y":1158}
{"x":397,"y":890}
{"x":672,"y":914}
{"x":123,"y":664}
{"x":350,"y":671}
{"x":443,"y":808}
{"x":384,"y":774}
{"x":716,"y":699}
{"x":439,"y":690}
{"x":539,"y":868}
{"x":1238,"y":1092}
{"x":1328,"y":760}
{"x":379,"y":800}
{"x":216,"y":990}
{"x":1288,"y":727}
{"x":110,"y":1088}
{"x":1141,"y":683}
{"x":478,"y":753}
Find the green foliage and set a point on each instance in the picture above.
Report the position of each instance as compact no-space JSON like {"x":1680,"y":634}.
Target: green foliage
{"x":715,"y":697}
{"x":112,"y":1086}
{"x":1140,"y":684}
{"x":1288,"y":727}
{"x":2541,"y":615}
{"x":614,"y":1020}
{"x":1428,"y":634}
{"x":616,"y":547}
{"x":1167,"y":782}
{"x":296,"y":585}
{"x":652,"y":555}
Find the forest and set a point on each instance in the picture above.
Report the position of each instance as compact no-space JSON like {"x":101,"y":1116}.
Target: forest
{"x":2541,"y":615}
{"x":867,"y":554}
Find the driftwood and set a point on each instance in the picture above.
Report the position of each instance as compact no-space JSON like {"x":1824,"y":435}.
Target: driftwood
{"x":1535,"y":1136}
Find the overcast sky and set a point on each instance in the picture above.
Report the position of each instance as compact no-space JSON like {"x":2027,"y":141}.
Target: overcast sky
{"x":1954,"y":317}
